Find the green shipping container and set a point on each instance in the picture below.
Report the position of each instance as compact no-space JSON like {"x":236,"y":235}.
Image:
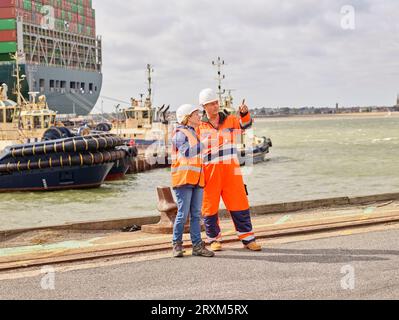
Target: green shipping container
{"x":5,"y":57}
{"x":6,"y":47}
{"x":27,"y":5}
{"x":8,"y":24}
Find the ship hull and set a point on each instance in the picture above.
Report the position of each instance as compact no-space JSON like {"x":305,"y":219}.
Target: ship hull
{"x":53,"y":179}
{"x":55,"y":83}
{"x":119,"y":169}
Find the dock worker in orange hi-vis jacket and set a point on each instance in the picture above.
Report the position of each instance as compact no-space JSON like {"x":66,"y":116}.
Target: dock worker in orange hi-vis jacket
{"x":223,"y":176}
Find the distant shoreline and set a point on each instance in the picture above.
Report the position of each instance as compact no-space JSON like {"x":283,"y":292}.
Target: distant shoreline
{"x":361,"y":115}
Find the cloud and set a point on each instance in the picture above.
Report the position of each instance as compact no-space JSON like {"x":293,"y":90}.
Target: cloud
{"x":278,"y":52}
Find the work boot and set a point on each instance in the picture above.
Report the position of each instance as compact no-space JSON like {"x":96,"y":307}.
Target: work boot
{"x":216,"y":246}
{"x":199,"y":250}
{"x":253,"y":246}
{"x":178,"y":250}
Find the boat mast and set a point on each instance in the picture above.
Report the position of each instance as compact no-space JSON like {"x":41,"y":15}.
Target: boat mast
{"x":219,"y":63}
{"x":20,"y":98}
{"x":141,"y":101}
{"x":150,"y":71}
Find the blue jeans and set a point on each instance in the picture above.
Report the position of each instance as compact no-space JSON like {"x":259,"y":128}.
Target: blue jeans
{"x":189,"y":201}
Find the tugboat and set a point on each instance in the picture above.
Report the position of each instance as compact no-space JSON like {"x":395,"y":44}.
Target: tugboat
{"x":252,"y":149}
{"x":23,"y":121}
{"x":122,"y":166}
{"x":36,"y":155}
{"x":142,"y":123}
{"x":143,"y":126}
{"x":69,"y":163}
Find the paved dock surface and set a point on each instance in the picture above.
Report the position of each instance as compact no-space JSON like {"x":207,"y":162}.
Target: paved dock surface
{"x":341,"y":265}
{"x":46,"y":245}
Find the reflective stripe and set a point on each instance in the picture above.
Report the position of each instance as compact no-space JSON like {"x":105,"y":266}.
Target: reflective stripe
{"x":242,"y":233}
{"x":216,"y":148}
{"x":222,"y":155}
{"x":221,"y":158}
{"x":246,"y":236}
{"x":228,"y":159}
{"x":220,"y":149}
{"x":186,"y":168}
{"x":248,"y":239}
{"x":246,"y":121}
{"x":245,"y":125}
{"x":224,"y":152}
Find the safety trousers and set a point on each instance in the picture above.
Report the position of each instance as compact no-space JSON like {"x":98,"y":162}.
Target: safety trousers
{"x":225,"y":181}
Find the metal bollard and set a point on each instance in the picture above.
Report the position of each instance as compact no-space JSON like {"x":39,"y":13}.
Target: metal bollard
{"x":168,"y":210}
{"x":147,"y":165}
{"x":132,"y":166}
{"x":140,"y":165}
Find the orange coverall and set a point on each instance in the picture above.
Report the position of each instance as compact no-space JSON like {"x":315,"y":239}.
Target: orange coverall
{"x":223,"y":177}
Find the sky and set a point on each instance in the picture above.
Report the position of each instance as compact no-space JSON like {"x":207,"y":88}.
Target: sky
{"x":278,"y":53}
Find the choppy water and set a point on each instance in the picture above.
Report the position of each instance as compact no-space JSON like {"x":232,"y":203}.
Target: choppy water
{"x":310,"y":159}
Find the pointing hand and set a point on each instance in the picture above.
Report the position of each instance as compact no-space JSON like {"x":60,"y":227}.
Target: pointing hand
{"x":243,"y":108}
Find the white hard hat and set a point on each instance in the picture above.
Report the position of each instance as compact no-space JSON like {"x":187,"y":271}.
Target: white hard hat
{"x":185,"y":110}
{"x":207,"y":96}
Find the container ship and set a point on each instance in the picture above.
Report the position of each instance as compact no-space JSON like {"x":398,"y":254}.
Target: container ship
{"x":61,"y":55}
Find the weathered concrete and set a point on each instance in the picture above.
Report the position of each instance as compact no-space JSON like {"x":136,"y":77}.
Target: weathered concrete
{"x":299,"y":205}
{"x":289,"y":207}
{"x":308,"y":269}
{"x":286,"y":207}
{"x":113,"y":224}
{"x":122,"y":244}
{"x":373,"y":198}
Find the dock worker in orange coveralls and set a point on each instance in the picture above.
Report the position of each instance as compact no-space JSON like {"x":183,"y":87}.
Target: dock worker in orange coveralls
{"x":223,"y":177}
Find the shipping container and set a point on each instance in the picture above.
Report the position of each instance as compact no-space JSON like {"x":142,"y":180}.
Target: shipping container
{"x":8,"y":36}
{"x":5,"y":57}
{"x":8,"y":24}
{"x":7,"y":13}
{"x":6,"y":47}
{"x":7,"y":3}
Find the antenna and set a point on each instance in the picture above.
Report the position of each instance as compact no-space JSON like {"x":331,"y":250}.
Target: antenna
{"x":19,"y":79}
{"x":150,"y":71}
{"x":230,"y":96}
{"x":219,"y":63}
{"x":141,"y":99}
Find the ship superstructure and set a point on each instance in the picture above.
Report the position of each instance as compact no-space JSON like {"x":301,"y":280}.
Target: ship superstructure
{"x":61,"y":53}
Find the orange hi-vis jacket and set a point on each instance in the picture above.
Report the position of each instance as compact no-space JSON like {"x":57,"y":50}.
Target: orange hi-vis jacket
{"x":222,"y":146}
{"x":223,"y":178}
{"x":187,"y":170}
